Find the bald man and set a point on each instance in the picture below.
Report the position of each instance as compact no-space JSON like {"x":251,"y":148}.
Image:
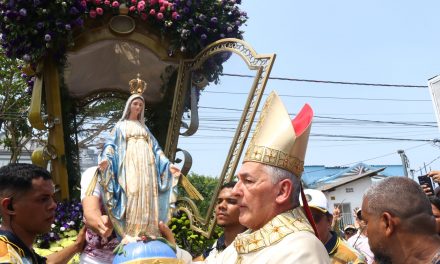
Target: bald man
{"x":401,"y":226}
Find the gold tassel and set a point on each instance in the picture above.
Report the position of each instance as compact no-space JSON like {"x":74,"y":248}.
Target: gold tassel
{"x":190,"y":189}
{"x":92,"y":184}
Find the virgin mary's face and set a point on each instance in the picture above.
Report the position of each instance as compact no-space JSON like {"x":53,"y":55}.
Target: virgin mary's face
{"x":136,"y":107}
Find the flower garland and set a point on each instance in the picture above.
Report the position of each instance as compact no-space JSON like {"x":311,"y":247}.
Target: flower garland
{"x":32,"y":29}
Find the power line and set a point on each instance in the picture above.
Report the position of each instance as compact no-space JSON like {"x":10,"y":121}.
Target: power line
{"x":329,"y":82}
{"x":362,"y":161}
{"x":335,"y":118}
{"x":330,"y":97}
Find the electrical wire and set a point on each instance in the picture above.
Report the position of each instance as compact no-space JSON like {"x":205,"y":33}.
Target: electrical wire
{"x":329,"y":97}
{"x":329,"y":82}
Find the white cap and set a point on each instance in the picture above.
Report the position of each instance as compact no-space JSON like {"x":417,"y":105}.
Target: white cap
{"x":316,"y":199}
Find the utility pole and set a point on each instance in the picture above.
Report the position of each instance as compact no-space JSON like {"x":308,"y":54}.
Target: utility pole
{"x":405,"y":161}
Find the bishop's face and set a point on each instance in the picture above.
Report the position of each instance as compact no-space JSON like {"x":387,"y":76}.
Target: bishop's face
{"x":256,"y":195}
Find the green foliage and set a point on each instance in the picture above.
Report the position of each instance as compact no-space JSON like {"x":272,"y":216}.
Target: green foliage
{"x":14,"y":102}
{"x":188,"y":239}
{"x":206,"y":186}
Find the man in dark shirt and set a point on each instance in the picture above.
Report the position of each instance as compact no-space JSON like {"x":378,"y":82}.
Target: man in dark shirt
{"x":27,"y":208}
{"x":227,"y":212}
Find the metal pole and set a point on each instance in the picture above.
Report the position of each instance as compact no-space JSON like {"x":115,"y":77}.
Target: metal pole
{"x":405,"y":162}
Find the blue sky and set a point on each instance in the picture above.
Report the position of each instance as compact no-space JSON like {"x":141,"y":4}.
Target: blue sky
{"x":390,"y":42}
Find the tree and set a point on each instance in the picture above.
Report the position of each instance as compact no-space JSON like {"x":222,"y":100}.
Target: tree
{"x":14,"y":104}
{"x":206,"y":186}
{"x":187,"y":238}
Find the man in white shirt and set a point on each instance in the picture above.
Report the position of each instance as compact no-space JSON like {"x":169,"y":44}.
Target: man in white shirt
{"x":359,"y":241}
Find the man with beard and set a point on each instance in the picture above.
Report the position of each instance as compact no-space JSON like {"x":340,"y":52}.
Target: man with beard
{"x":401,"y":226}
{"x":227,"y":212}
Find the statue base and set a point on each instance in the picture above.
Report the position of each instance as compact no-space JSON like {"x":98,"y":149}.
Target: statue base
{"x":151,"y":251}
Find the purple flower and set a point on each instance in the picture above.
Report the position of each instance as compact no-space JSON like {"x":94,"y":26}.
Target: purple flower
{"x":26,"y":57}
{"x":189,"y":3}
{"x":73,"y":11}
{"x":214,"y":20}
{"x":79,"y":21}
{"x":23,"y":12}
{"x":229,"y":29}
{"x":203,"y":36}
{"x":47,"y":38}
{"x":40,"y":25}
{"x":67,"y":27}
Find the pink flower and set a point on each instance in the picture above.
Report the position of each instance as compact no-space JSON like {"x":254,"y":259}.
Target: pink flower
{"x":133,"y":2}
{"x":107,"y":2}
{"x":144,"y":16}
{"x":98,"y":2}
{"x":141,"y":5}
{"x":92,"y":13}
{"x":159,"y":16}
{"x":166,"y":3}
{"x":99,"y":11}
{"x":153,"y":2}
{"x":132,"y":8}
{"x":162,"y":9}
{"x":84,"y":3}
{"x":152,"y":12}
{"x":115,"y":4}
{"x":175,"y":15}
{"x":160,"y":2}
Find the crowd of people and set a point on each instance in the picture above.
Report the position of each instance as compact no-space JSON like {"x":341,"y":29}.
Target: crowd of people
{"x":266,"y":215}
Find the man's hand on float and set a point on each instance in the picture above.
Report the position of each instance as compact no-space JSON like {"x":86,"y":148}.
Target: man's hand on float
{"x":105,"y":227}
{"x":167,"y":233}
{"x":80,"y":241}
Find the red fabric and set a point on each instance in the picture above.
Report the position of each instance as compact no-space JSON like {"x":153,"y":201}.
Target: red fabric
{"x":302,"y":119}
{"x":308,"y":212}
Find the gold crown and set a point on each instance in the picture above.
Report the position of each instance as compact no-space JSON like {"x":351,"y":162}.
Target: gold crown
{"x":137,"y":85}
{"x":279,"y":141}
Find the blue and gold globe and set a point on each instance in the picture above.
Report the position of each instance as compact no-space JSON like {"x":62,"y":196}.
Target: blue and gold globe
{"x":153,"y":251}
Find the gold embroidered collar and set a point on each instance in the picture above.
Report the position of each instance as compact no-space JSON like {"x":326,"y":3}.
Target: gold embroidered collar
{"x":280,"y":226}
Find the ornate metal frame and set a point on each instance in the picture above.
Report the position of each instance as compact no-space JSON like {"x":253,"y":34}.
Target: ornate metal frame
{"x":262,"y":64}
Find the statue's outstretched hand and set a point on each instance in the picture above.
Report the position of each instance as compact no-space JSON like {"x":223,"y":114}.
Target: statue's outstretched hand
{"x":103,"y":164}
{"x":174,"y":170}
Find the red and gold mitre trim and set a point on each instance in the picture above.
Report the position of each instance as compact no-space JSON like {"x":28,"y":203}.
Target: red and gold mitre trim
{"x":279,"y":141}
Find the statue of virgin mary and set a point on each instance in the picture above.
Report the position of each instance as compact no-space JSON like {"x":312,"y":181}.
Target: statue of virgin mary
{"x":139,"y":183}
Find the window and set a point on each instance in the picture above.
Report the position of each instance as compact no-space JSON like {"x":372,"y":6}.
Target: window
{"x":349,"y":190}
{"x":346,"y":214}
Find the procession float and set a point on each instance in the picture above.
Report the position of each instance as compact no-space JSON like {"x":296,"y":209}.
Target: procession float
{"x":78,"y":58}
